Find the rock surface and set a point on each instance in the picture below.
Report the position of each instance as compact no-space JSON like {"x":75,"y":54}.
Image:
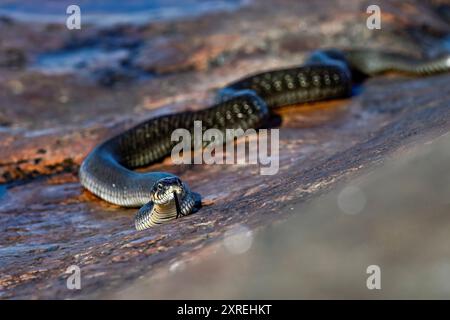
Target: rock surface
{"x":395,"y":218}
{"x":51,"y":120}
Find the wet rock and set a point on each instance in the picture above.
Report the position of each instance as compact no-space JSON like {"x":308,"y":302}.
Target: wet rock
{"x":12,"y":58}
{"x":175,"y":55}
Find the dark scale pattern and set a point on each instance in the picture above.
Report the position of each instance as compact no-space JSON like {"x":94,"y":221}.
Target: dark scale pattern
{"x":295,"y":85}
{"x":372,"y":62}
{"x":151,"y":140}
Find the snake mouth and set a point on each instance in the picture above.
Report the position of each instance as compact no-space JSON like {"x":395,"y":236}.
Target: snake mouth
{"x":166,"y":190}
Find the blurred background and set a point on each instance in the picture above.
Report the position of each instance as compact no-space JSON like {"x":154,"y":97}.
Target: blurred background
{"x":362,"y":181}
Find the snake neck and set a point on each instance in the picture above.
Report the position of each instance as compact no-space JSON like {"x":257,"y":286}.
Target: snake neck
{"x":154,"y":214}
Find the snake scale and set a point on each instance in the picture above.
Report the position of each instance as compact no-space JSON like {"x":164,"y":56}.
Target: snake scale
{"x":327,"y":74}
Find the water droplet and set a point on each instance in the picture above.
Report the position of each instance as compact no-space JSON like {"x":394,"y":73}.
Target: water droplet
{"x":238,"y":239}
{"x":351,"y":200}
{"x":177,"y":266}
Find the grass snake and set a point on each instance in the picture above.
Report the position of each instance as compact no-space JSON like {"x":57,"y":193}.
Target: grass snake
{"x":327,"y":74}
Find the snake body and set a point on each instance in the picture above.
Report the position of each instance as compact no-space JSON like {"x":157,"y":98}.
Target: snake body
{"x":108,"y":170}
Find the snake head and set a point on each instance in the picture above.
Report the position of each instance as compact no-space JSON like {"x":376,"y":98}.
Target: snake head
{"x":164,"y":189}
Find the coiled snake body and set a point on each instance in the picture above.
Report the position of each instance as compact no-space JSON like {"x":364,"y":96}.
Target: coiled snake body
{"x":108,"y":170}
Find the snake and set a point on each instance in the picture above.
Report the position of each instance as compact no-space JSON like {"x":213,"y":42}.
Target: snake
{"x":109,"y":172}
